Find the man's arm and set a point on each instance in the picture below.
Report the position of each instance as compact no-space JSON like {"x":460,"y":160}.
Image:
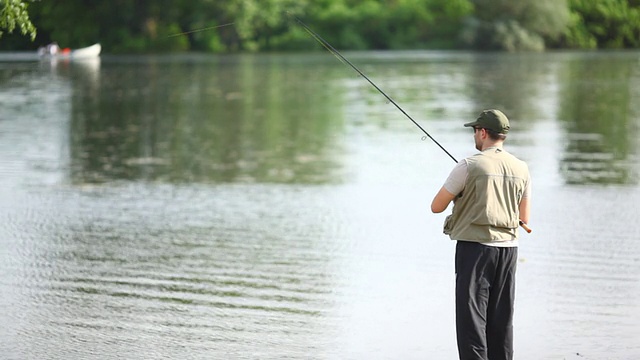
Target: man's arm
{"x":525,"y":209}
{"x":441,"y":200}
{"x":525,"y":204}
{"x":455,"y":183}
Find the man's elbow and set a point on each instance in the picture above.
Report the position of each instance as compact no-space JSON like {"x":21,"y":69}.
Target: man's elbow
{"x":441,"y":201}
{"x":436,"y":209}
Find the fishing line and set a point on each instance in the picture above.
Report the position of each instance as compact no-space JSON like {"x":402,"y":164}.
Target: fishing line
{"x":344,"y":60}
{"x":198,"y":30}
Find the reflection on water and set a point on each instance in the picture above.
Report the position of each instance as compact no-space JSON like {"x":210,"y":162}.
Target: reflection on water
{"x":588,"y":160}
{"x":275,"y":206}
{"x":600,"y":112}
{"x":223,"y":119}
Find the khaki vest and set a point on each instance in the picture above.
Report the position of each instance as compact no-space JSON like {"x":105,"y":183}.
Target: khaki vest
{"x":488,"y":208}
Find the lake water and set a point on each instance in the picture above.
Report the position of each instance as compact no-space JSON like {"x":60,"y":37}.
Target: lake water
{"x":277,"y":206}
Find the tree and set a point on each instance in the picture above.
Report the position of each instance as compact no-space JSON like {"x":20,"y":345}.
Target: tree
{"x":120,"y":25}
{"x":13,"y":13}
{"x":160,"y":26}
{"x":515,"y":25}
{"x":603,"y":23}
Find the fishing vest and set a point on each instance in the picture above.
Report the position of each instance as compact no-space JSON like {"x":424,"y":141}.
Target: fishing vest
{"x":487,"y":210}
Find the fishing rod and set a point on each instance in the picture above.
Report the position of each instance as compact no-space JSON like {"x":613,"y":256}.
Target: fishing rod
{"x":198,"y":30}
{"x":344,"y":60}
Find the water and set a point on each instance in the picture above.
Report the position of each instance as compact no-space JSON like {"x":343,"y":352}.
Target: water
{"x":277,"y":206}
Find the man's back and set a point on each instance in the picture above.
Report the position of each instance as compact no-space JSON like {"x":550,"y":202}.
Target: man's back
{"x":487,"y":210}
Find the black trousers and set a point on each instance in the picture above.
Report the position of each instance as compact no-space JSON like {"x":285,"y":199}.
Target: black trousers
{"x":485,"y":293}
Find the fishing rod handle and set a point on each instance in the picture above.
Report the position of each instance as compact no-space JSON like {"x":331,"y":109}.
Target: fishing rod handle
{"x":525,"y":226}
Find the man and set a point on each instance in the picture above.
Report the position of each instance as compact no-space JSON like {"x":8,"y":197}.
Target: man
{"x":490,"y":192}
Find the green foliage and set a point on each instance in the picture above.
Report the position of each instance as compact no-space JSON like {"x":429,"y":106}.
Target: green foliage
{"x":13,"y":13}
{"x":603,"y":24}
{"x":258,"y":22}
{"x":126,"y":26}
{"x":577,"y":34}
{"x":399,"y":24}
{"x":165,"y":40}
{"x":448,"y":23}
{"x":515,"y":25}
{"x":513,"y":36}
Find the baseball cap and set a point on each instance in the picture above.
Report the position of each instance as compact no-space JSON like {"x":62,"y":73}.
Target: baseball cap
{"x":493,"y":120}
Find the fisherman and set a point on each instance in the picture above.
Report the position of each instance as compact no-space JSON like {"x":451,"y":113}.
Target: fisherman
{"x":53,"y":48}
{"x":491,"y":194}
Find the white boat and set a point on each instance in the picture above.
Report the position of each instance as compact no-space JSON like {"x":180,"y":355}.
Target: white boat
{"x":87,"y":52}
{"x":53,"y":52}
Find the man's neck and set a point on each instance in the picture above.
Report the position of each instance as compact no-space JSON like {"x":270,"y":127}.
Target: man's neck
{"x":496,"y":144}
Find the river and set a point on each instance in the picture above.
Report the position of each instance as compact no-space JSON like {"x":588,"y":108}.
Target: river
{"x":276,"y":206}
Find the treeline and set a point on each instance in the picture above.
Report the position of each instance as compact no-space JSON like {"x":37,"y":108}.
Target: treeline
{"x":146,"y":26}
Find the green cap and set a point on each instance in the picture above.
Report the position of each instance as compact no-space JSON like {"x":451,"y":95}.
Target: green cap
{"x":493,"y":120}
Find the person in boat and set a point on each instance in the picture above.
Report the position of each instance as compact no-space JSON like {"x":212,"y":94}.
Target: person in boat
{"x":53,"y":49}
{"x":50,"y":50}
{"x":491,"y":194}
